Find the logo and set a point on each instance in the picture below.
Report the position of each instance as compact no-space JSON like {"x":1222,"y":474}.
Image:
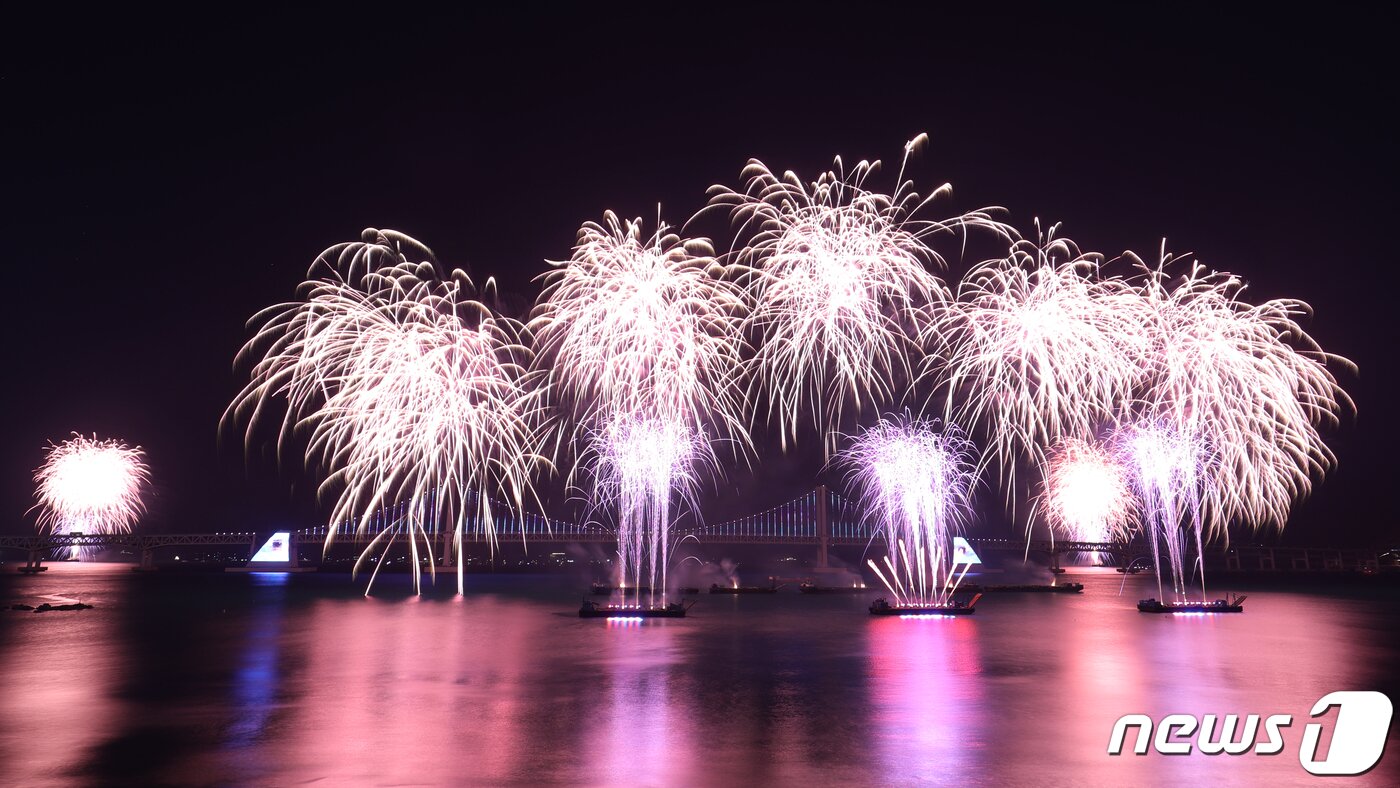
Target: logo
{"x":1356,"y":744}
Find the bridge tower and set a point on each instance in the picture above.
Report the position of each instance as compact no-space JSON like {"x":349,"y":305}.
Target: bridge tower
{"x":449,"y":558}
{"x":148,"y":558}
{"x":823,"y":527}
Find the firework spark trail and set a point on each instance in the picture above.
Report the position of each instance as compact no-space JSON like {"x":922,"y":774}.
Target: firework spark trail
{"x":917,"y":480}
{"x":416,"y":397}
{"x":1248,"y":381}
{"x":1171,"y":469}
{"x":641,"y":335}
{"x":641,"y":465}
{"x":1040,"y":348}
{"x":841,"y":285}
{"x":1087,"y":493}
{"x":90,"y":486}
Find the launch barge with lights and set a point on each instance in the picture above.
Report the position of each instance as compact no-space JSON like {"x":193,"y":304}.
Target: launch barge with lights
{"x":1235,"y":604}
{"x":880,"y":607}
{"x":591,"y":609}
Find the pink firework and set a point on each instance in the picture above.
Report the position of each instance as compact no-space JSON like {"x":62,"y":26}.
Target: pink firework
{"x":91,"y":486}
{"x":1087,"y":494}
{"x":1248,"y":381}
{"x":641,"y":334}
{"x":413,"y":395}
{"x":841,"y":280}
{"x":916,"y":478}
{"x":1171,"y":473}
{"x":1042,"y":348}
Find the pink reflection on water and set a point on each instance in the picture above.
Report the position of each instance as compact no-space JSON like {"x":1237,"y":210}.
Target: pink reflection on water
{"x":927,"y":705}
{"x":640,"y":737}
{"x":53,"y":684}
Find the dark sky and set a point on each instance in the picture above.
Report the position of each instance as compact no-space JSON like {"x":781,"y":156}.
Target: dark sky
{"x":166,"y":176}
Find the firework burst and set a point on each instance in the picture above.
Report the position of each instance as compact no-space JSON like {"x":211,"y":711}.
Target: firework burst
{"x":1087,"y":493}
{"x":641,"y":335}
{"x":414,"y":395}
{"x":1041,"y":348}
{"x":841,"y":281}
{"x":645,"y":326}
{"x":90,"y":486}
{"x":917,"y":481}
{"x":1248,"y":381}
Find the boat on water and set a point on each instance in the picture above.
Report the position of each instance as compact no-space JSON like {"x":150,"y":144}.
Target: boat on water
{"x":1029,"y":588}
{"x":1131,"y":570}
{"x":591,"y":609}
{"x":1235,"y":604}
{"x":813,"y":588}
{"x":716,"y":588}
{"x":603,"y":589}
{"x":881,"y":607}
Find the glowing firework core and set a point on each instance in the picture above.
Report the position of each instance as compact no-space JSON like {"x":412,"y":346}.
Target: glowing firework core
{"x":86,"y":485}
{"x":1087,"y":493}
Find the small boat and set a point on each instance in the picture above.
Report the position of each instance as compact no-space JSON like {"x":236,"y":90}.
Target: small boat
{"x":880,"y":607}
{"x":591,"y":609}
{"x":813,"y":588}
{"x":1058,"y":588}
{"x":716,"y":588}
{"x":1130,"y":570}
{"x":1235,"y":604}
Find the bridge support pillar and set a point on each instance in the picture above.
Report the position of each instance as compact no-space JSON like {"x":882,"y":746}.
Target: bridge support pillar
{"x":1055,"y":561}
{"x":148,"y":560}
{"x":36,"y":560}
{"x":823,"y":528}
{"x":449,"y":559}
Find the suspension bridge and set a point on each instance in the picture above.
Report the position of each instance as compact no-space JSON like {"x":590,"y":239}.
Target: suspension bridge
{"x":820,"y":518}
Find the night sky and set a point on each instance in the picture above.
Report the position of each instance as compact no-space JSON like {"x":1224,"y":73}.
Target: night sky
{"x":168,"y":176}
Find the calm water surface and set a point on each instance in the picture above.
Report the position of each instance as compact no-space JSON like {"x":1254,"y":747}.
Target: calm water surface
{"x":277,"y":680}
